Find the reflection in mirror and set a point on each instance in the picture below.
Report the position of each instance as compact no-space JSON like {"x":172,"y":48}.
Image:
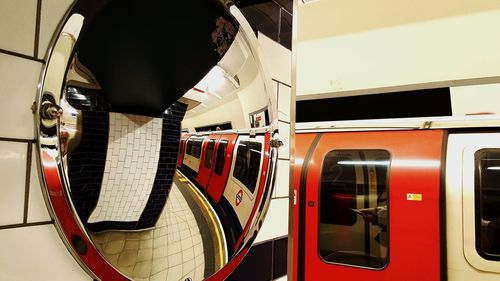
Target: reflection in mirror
{"x":158,"y":158}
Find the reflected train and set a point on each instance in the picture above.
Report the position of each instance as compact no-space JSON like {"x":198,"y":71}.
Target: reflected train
{"x":396,"y":199}
{"x":232,"y":170}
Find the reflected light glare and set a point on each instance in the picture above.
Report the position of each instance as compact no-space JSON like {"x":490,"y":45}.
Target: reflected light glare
{"x":416,"y":163}
{"x":377,"y":163}
{"x":299,"y":161}
{"x":496,"y":168}
{"x":215,"y":79}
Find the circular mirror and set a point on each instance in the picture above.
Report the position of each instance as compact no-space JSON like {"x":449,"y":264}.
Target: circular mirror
{"x":157,"y":138}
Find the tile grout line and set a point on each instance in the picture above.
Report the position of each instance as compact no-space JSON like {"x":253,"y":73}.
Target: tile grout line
{"x":19,"y":55}
{"x":17,"y":140}
{"x":27,"y":182}
{"x":37,"y":27}
{"x":279,"y":82}
{"x":19,"y":225}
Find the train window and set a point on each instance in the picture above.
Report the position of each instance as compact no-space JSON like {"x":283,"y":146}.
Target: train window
{"x":210,"y":153}
{"x":219,"y":157}
{"x":196,"y":149}
{"x":189,"y":146}
{"x":247,"y":165}
{"x":487,"y":202}
{"x":353,"y":208}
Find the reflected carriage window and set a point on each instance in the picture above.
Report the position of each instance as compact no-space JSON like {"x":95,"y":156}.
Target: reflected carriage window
{"x":353,"y":208}
{"x":219,"y":158}
{"x":196,"y":148}
{"x":209,"y":154}
{"x":487,"y":202}
{"x":247,"y":166}
{"x":189,"y":147}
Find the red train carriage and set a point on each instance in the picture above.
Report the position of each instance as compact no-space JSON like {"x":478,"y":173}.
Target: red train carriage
{"x":398,"y":200}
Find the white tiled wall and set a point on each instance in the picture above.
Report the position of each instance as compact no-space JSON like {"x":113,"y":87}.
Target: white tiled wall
{"x":282,"y":178}
{"x":131,"y":163}
{"x":30,"y":249}
{"x":279,"y":58}
{"x":276,"y":222}
{"x":284,"y":92}
{"x":51,"y":14}
{"x":37,"y":210}
{"x":36,"y":253}
{"x":17,"y":26}
{"x":13,"y":167}
{"x":19,"y":80}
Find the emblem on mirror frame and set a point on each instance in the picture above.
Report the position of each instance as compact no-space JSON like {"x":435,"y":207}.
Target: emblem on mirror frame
{"x":223,"y":35}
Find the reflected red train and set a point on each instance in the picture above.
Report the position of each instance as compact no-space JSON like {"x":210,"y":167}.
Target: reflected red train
{"x":231,"y":170}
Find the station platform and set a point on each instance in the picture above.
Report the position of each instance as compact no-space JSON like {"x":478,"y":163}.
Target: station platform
{"x":187,"y":242}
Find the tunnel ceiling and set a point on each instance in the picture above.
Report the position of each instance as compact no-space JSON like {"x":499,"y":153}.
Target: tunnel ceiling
{"x":266,"y":17}
{"x":147,"y":54}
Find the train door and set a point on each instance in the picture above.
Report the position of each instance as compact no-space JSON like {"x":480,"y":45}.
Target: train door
{"x":473,"y":206}
{"x":223,"y":156}
{"x":182,"y":149}
{"x":369,"y":206}
{"x":207,"y":157}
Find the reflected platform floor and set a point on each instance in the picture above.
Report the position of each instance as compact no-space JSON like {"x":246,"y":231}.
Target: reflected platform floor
{"x":187,"y":241}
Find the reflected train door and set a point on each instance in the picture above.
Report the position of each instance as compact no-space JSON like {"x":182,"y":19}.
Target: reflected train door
{"x":222,"y":164}
{"x":369,"y":206}
{"x":207,"y":159}
{"x":182,"y":149}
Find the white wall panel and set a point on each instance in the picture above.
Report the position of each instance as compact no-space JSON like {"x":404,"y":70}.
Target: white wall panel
{"x":36,"y":253}
{"x":427,"y":44}
{"x":51,"y":15}
{"x":276,"y":222}
{"x":284,"y":97}
{"x":13,"y":172}
{"x":17,"y":26}
{"x":278,"y":59}
{"x":475,"y":99}
{"x":37,"y":210}
{"x":284,"y":131}
{"x":282,"y":179}
{"x":19,"y":80}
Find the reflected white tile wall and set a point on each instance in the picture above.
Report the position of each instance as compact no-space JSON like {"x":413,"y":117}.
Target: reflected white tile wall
{"x":17,"y":26}
{"x":282,"y":179}
{"x":13,"y":168}
{"x":131,"y":165}
{"x":285,"y":93}
{"x":36,"y":253}
{"x":37,"y":210}
{"x":17,"y":93}
{"x":51,"y":15}
{"x":276,"y":221}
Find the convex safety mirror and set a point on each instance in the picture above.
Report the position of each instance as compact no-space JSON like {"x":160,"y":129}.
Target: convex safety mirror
{"x":157,"y":137}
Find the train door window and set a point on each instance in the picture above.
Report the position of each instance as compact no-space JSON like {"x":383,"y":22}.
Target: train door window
{"x":196,"y":149}
{"x":210,"y":153}
{"x":487,"y":202}
{"x":219,"y":157}
{"x":189,"y":147}
{"x":353,"y":208}
{"x":247,"y":165}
